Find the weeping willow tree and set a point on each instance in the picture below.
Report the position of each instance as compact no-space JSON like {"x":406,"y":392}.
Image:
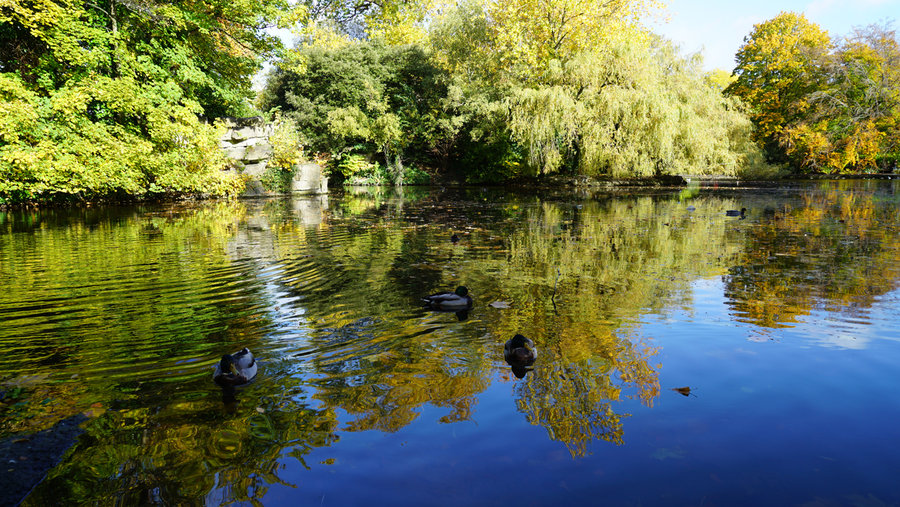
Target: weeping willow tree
{"x":631,"y":109}
{"x":583,"y":88}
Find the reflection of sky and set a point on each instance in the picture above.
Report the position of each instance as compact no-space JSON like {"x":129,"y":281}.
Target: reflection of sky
{"x":774,"y":419}
{"x":854,"y":329}
{"x":792,"y":414}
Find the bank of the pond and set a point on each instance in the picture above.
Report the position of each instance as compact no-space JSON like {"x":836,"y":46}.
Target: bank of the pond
{"x":556,"y":182}
{"x":681,"y":180}
{"x":26,"y":459}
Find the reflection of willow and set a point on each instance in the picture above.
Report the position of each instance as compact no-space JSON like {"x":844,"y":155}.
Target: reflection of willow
{"x":837,"y":251}
{"x":573,"y":399}
{"x":175,"y":455}
{"x":618,"y":258}
{"x":581,"y":275}
{"x":603,"y":264}
{"x":384,"y":381}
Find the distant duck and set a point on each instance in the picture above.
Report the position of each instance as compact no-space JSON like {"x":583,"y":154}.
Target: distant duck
{"x":454,"y":239}
{"x":736,"y":213}
{"x":449,"y":301}
{"x":236,"y":369}
{"x":520,"y":354}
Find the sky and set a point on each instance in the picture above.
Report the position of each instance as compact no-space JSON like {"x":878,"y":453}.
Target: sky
{"x":718,"y":28}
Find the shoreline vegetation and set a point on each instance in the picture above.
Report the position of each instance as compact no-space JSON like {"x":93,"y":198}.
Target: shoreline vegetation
{"x":421,"y":92}
{"x":539,"y":183}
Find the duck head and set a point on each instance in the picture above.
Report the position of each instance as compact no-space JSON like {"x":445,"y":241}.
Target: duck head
{"x":226,"y":365}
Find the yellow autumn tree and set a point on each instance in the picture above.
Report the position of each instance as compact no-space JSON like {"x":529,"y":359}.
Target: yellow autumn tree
{"x":531,"y":33}
{"x":780,"y":63}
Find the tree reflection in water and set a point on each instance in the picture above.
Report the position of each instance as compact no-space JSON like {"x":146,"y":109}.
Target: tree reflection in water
{"x":328,"y":292}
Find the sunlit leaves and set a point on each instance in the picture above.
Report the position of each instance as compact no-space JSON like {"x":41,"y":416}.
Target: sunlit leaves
{"x":104,"y":98}
{"x":629,"y":109}
{"x":780,"y":63}
{"x":825,"y":107}
{"x":529,"y":34}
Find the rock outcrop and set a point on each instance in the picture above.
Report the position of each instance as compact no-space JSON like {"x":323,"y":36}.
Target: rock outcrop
{"x":247,"y":143}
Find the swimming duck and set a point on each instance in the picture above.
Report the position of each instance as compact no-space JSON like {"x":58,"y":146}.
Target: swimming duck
{"x":449,"y":301}
{"x":736,"y":213}
{"x":519,"y":351}
{"x":235,"y":369}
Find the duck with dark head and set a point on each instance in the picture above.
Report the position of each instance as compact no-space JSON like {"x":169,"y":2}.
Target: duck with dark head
{"x":520,"y":353}
{"x":235,"y":369}
{"x":455,"y":301}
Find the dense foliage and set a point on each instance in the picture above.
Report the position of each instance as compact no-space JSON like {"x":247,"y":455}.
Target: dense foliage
{"x":107,"y":98}
{"x":362,"y":98}
{"x":508,"y":89}
{"x":822,"y":105}
{"x":116,"y":98}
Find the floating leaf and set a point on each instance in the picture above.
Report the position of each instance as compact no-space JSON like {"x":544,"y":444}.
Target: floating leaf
{"x":499,"y":304}
{"x":684,"y":391}
{"x":665,"y":453}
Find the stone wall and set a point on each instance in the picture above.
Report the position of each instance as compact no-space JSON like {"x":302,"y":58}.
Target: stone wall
{"x":247,"y":142}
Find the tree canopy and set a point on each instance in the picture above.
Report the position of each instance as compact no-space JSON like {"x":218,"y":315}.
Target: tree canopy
{"x":820,"y":104}
{"x":109,"y":97}
{"x":118,"y":97}
{"x":507,"y":89}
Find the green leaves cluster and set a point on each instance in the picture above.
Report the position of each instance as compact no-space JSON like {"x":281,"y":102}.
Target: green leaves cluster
{"x":507,"y":89}
{"x":629,"y":109}
{"x":106,"y":98}
{"x":822,"y":105}
{"x":362,"y":98}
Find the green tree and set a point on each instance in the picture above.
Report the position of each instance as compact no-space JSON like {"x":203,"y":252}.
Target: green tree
{"x":363,"y":98}
{"x":631,"y":109}
{"x":550,"y":90}
{"x":106,"y":98}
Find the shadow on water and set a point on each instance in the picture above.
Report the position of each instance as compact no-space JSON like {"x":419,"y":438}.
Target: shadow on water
{"x":128,"y":309}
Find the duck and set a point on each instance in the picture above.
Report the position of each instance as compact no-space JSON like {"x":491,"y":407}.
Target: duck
{"x":519,"y":351}
{"x":736,"y":213}
{"x":454,"y":239}
{"x":450,"y":301}
{"x":235,"y":369}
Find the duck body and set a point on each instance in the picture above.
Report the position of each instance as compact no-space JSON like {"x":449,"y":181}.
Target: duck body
{"x":235,"y":369}
{"x":449,"y":301}
{"x":519,"y":351}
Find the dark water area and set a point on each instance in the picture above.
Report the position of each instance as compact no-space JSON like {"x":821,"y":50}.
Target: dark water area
{"x":686,"y":357}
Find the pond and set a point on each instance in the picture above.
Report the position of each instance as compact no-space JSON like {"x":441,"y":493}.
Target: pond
{"x":686,"y":357}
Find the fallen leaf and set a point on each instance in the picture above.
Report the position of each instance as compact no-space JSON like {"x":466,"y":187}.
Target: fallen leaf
{"x":499,"y":304}
{"x":664,"y":453}
{"x":684,"y":391}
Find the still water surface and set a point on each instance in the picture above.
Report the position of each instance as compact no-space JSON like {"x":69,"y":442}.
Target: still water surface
{"x":782,"y":324}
